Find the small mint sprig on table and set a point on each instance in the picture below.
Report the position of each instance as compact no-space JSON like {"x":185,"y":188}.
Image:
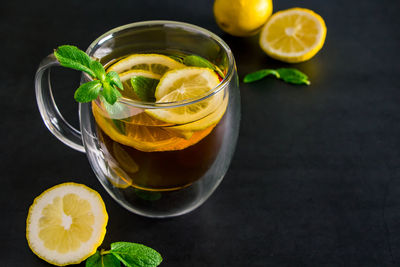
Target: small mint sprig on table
{"x":130,"y":254}
{"x":289,"y":75}
{"x":105,"y":84}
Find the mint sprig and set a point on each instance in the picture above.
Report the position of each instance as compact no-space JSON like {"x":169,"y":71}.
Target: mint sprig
{"x":130,"y":254}
{"x":104,"y":84}
{"x":289,"y":75}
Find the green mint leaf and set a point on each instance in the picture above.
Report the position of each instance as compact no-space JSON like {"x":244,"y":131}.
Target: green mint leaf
{"x":176,"y":58}
{"x":98,"y":70}
{"x":144,"y":87}
{"x":147,"y":195}
{"x":117,"y":111}
{"x":116,"y":91}
{"x":258,"y":75}
{"x":114,"y":79}
{"x":88,"y":91}
{"x":197,"y":61}
{"x":102,"y":260}
{"x":109,"y":93}
{"x":135,"y":255}
{"x":120,"y":125}
{"x":291,"y":75}
{"x":93,"y":261}
{"x":72,"y":57}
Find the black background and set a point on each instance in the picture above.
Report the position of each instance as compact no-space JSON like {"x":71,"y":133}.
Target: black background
{"x":315,"y":177}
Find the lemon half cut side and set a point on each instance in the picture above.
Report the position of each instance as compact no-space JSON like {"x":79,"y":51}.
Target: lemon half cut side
{"x":66,"y":224}
{"x":293,"y":35}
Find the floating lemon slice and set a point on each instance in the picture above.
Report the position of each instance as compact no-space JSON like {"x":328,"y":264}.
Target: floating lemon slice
{"x":125,"y":76}
{"x":123,"y":158}
{"x":293,"y":35}
{"x":187,"y":130}
{"x":155,"y":63}
{"x":118,"y":177}
{"x":146,"y":138}
{"x":183,"y":84}
{"x":124,"y":163}
{"x":66,"y":224}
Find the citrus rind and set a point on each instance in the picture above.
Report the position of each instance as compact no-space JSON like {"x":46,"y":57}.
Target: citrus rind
{"x":293,"y":35}
{"x":35,"y":218}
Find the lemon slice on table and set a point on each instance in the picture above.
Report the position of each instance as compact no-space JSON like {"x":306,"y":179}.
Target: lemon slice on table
{"x":183,"y":84}
{"x":293,"y":35}
{"x":66,"y":224}
{"x":155,"y":63}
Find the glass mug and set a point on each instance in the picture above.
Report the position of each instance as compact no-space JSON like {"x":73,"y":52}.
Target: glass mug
{"x":153,"y":169}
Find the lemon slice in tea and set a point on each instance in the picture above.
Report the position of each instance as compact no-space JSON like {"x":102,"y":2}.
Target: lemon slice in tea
{"x":123,"y":158}
{"x":187,"y":130}
{"x":155,"y":63}
{"x":66,"y":224}
{"x":146,"y":138}
{"x":183,"y":84}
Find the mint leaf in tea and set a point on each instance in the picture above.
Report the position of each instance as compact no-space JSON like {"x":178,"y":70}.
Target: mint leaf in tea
{"x":170,"y":147}
{"x":144,"y":87}
{"x":132,"y":135}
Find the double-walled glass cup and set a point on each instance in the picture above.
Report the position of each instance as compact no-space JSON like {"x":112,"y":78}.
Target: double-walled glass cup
{"x":151,"y":166}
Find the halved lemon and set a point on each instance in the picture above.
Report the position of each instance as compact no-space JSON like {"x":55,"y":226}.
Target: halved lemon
{"x":155,"y":63}
{"x":66,"y":224}
{"x":293,"y":35}
{"x":183,"y":84}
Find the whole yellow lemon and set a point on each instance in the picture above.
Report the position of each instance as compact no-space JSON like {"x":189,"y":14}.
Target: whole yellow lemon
{"x":242,"y":17}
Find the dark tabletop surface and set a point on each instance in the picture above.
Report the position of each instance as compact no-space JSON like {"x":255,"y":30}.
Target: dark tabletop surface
{"x":315,"y":180}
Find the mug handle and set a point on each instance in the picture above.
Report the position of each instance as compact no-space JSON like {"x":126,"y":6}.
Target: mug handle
{"x":51,"y":116}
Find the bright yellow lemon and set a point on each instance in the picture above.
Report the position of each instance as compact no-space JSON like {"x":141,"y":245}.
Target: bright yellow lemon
{"x":242,"y":17}
{"x":293,"y":35}
{"x":66,"y":224}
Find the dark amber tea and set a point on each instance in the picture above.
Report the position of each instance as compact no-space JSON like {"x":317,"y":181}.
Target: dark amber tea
{"x":161,"y":148}
{"x":159,"y":113}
